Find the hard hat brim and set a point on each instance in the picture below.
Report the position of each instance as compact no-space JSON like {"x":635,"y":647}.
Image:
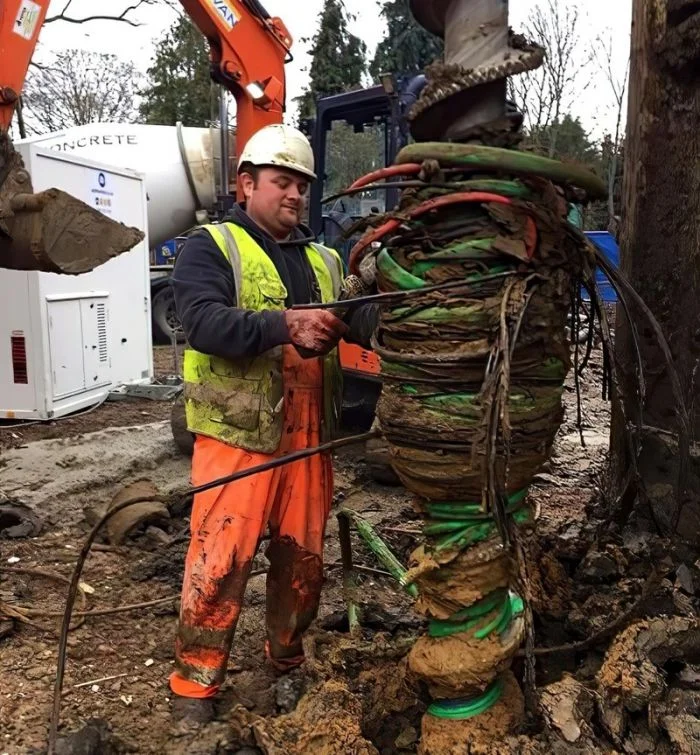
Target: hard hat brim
{"x":292,"y":167}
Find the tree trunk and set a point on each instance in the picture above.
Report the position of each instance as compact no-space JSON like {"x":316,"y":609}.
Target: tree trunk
{"x":660,"y":250}
{"x":20,"y":119}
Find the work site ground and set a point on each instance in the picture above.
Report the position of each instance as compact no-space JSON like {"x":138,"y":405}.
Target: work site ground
{"x":629,"y":685}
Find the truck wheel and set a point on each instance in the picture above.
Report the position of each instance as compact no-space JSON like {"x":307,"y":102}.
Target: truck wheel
{"x":183,"y":438}
{"x":360,"y":398}
{"x":164,"y":320}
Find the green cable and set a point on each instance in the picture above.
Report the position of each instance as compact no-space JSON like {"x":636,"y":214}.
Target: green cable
{"x":463,"y":709}
{"x":495,"y":186}
{"x":477,"y":249}
{"x":472,"y":534}
{"x":441,"y":315}
{"x":442,"y":528}
{"x":394,"y":273}
{"x":516,"y":608}
{"x":466,"y":512}
{"x":467,"y":618}
{"x":476,"y":156}
{"x":456,"y":624}
{"x":456,"y":516}
{"x":511,"y":605}
{"x":478,"y":532}
{"x":516,"y":497}
{"x":481,"y":607}
{"x":456,"y":508}
{"x":517,"y":603}
{"x":444,"y":630}
{"x":404,"y":280}
{"x":505,"y":614}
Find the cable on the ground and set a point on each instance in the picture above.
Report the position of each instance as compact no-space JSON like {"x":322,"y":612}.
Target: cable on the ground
{"x":77,"y":571}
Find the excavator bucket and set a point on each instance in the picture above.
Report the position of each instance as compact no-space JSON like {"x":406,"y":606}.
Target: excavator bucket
{"x":52,"y":231}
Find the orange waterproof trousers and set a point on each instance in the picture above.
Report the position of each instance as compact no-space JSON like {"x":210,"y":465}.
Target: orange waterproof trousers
{"x":226,"y":525}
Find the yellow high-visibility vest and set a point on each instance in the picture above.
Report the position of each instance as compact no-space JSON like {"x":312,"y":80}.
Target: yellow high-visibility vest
{"x":240,"y":402}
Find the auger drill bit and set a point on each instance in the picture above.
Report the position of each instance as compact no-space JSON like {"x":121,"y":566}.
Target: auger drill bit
{"x":468,"y":90}
{"x":473,"y":378}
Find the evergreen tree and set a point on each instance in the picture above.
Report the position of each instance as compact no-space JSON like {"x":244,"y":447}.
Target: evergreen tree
{"x":180,"y":87}
{"x":338,"y":58}
{"x":407,"y":47}
{"x":567,"y":140}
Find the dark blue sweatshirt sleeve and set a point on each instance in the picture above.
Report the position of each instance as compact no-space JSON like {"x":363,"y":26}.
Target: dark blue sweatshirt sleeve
{"x":205,"y":296}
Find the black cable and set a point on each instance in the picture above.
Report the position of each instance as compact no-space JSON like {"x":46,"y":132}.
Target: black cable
{"x":281,"y":461}
{"x":77,"y":570}
{"x":391,"y":296}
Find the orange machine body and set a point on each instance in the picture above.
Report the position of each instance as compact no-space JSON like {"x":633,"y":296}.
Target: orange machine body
{"x":358,"y":361}
{"x":248,"y":52}
{"x":20,"y":24}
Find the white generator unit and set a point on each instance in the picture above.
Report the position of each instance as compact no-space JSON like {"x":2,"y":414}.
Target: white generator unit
{"x":66,"y":341}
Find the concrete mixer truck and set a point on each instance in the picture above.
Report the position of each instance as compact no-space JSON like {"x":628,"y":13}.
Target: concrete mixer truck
{"x":182,"y":171}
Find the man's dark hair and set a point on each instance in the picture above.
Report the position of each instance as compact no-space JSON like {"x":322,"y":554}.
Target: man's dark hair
{"x":251,"y":170}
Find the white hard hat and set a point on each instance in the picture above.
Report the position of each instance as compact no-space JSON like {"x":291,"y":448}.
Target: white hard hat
{"x":282,"y":146}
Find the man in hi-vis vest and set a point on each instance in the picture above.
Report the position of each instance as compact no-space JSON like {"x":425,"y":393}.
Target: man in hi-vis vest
{"x":261,"y":380}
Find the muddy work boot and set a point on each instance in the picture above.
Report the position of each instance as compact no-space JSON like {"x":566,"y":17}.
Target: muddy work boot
{"x":281,"y":666}
{"x":192,"y":711}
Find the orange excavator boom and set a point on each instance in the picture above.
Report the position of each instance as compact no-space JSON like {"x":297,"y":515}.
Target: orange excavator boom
{"x":248,"y":51}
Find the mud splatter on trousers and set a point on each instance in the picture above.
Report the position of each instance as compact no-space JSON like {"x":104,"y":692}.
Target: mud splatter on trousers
{"x":226,"y":526}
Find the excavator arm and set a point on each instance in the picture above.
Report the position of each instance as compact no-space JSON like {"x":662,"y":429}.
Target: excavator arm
{"x":55,"y":232}
{"x":248,"y":51}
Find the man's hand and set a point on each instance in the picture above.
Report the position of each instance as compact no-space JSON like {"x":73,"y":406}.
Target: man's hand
{"x":314,"y":332}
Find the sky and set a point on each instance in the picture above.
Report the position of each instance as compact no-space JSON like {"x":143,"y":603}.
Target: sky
{"x":599,"y":18}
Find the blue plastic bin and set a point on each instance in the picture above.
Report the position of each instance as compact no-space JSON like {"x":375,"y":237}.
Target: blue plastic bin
{"x":607,"y":244}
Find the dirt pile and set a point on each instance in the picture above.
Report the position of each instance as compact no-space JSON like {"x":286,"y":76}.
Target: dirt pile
{"x":448,"y":737}
{"x":628,"y":690}
{"x":649,"y":686}
{"x":326,"y":722}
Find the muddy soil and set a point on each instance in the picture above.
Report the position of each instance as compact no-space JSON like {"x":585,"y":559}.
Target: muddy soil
{"x":354,"y":695}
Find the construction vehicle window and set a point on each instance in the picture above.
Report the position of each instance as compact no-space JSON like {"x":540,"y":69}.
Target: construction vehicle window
{"x":350,"y":154}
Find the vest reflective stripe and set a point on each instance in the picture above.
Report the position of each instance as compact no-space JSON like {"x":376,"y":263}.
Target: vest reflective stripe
{"x":331,"y":263}
{"x":227,"y":245}
{"x":240,"y":402}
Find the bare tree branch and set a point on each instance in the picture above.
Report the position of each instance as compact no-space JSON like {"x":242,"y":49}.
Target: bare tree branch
{"x":80,"y":87}
{"x":612,"y":144}
{"x":65,"y":9}
{"x":39,"y":66}
{"x":546,"y":94}
{"x":123,"y":16}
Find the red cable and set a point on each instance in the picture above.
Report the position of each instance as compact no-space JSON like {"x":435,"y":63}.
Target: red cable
{"x":431,"y":204}
{"x":409,"y":169}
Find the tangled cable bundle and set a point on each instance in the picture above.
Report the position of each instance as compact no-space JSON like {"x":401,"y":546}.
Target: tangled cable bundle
{"x":472,"y":399}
